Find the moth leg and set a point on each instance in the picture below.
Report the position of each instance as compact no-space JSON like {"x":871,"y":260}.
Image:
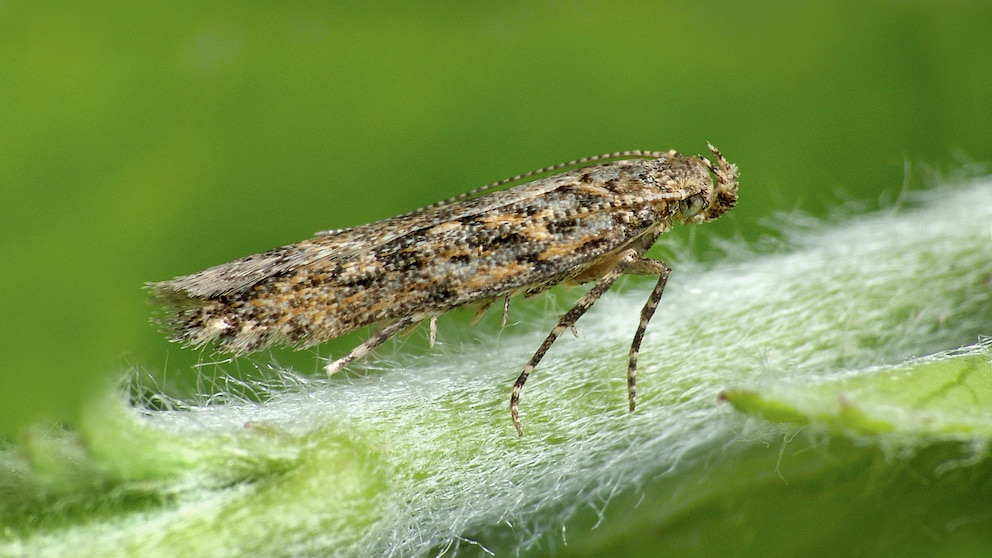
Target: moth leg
{"x":644,"y":266}
{"x":432,"y":335}
{"x":566,"y":322}
{"x":485,"y":306}
{"x":378,"y":338}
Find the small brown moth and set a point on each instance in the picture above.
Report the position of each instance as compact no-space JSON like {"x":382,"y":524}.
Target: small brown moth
{"x":589,"y":224}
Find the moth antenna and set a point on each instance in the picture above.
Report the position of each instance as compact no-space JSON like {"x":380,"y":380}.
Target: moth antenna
{"x":638,"y":153}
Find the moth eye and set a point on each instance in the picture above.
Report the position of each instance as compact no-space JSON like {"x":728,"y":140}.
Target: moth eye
{"x":693,"y":205}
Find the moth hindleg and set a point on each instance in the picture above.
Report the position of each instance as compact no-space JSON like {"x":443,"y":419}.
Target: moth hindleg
{"x":378,"y":338}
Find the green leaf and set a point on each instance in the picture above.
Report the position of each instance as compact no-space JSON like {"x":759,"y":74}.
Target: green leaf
{"x":947,"y":396}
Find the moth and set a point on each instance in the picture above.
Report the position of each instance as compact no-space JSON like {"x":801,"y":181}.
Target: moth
{"x":589,"y":224}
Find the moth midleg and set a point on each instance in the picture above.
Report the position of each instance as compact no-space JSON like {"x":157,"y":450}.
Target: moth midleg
{"x":644,"y":266}
{"x":566,"y":322}
{"x":378,"y":338}
{"x":485,"y":306}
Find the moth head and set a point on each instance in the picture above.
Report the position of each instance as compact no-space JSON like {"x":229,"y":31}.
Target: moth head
{"x":718,"y":193}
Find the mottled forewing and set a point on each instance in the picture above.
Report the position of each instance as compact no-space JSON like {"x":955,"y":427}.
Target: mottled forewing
{"x":524,"y":239}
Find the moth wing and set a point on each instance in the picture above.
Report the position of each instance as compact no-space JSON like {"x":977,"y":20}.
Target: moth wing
{"x":347,"y":244}
{"x":335,"y":245}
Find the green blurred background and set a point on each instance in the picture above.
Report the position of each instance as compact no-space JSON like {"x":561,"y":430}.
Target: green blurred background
{"x":139,"y":141}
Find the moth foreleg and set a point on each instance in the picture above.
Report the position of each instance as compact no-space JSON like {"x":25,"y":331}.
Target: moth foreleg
{"x":566,"y":322}
{"x":644,"y":266}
